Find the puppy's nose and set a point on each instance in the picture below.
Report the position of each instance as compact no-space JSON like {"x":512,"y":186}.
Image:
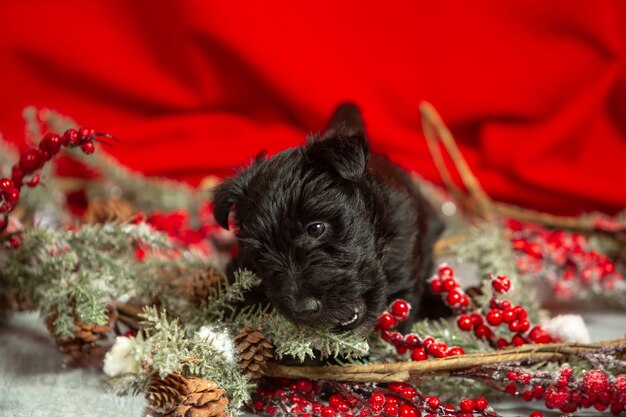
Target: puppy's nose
{"x":307,"y":306}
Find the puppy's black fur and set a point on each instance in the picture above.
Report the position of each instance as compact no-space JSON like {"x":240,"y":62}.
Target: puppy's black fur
{"x":376,"y":239}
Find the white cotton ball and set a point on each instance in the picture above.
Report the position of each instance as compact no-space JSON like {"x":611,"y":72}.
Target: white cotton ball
{"x":219,"y":340}
{"x":118,"y":360}
{"x":567,"y":328}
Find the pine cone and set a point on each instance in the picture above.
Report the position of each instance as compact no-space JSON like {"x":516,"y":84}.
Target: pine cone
{"x":178,"y":396}
{"x":254,"y":351}
{"x":199,"y":286}
{"x":86,"y":335}
{"x":103,"y":210}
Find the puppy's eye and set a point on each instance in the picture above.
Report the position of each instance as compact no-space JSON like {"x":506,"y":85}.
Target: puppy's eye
{"x":316,"y":229}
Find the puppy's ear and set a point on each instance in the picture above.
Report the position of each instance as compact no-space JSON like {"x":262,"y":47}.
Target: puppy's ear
{"x":346,"y":153}
{"x":227,"y":194}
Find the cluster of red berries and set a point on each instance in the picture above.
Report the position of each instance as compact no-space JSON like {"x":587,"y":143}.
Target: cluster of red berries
{"x":304,"y":398}
{"x":501,"y":312}
{"x":420,"y":349}
{"x":564,"y":259}
{"x":33,"y":159}
{"x":564,"y":392}
{"x":444,"y":283}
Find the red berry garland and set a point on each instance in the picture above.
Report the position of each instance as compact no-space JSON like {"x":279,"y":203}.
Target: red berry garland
{"x":484,"y":322}
{"x":565,"y":260}
{"x":35,"y":158}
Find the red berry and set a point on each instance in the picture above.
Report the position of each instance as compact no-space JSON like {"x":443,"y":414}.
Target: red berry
{"x":494,"y":317}
{"x":15,"y":242}
{"x":510,"y":389}
{"x":342,"y":407}
{"x":427,"y":342}
{"x":455,"y":351}
{"x":401,"y":349}
{"x":12,"y":195}
{"x":620,"y":383}
{"x":316,"y":408}
{"x":449,"y":284}
{"x":70,"y":137}
{"x":85,"y":134}
{"x":407,"y":410}
{"x":477,"y":319}
{"x":395,"y":338}
{"x":418,"y":354}
{"x":567,"y":372}
{"x":258,"y":405}
{"x":304,"y":385}
{"x":524,"y":379}
{"x":536,"y":414}
{"x":391,"y":400}
{"x":434,"y":402}
{"x":400,"y":309}
{"x":483,"y":332}
{"x":386,"y":321}
{"x":555,"y":398}
{"x":51,"y":142}
{"x":391,"y":409}
{"x":524,"y":325}
{"x":464,"y":322}
{"x":335,"y":400}
{"x":481,"y":404}
{"x":501,"y":343}
{"x":271,"y":410}
{"x":453,"y":298}
{"x":527,"y":395}
{"x":467,"y":405}
{"x":411,"y":339}
{"x":595,"y":382}
{"x":505,"y":304}
{"x":408,"y":392}
{"x":562,"y":381}
{"x":445,"y":271}
{"x":328,"y":412}
{"x":538,"y":391}
{"x":5,"y":185}
{"x":438,"y":349}
{"x":34,"y":181}
{"x":501,"y":284}
{"x":297,"y":409}
{"x":436,"y":286}
{"x":30,"y":161}
{"x":511,"y":376}
{"x":518,"y":340}
{"x":520,"y":312}
{"x":396,"y":386}
{"x":377,"y":398}
{"x":88,"y":148}
{"x":514,"y":326}
{"x":508,"y":315}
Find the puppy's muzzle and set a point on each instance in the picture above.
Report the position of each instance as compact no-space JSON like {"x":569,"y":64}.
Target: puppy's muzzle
{"x":307,"y":308}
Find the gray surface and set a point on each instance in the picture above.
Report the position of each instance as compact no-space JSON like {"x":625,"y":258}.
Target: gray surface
{"x":34,"y":382}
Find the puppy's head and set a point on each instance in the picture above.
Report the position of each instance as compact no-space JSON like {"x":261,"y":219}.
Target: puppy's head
{"x":305,"y":226}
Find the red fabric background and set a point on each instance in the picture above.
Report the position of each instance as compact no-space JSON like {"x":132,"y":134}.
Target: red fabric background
{"x":533,"y":90}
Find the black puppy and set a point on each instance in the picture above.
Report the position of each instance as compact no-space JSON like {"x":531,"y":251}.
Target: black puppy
{"x":333,"y":232}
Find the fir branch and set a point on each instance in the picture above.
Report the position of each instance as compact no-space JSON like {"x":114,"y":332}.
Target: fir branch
{"x":301,"y":342}
{"x":167,"y":348}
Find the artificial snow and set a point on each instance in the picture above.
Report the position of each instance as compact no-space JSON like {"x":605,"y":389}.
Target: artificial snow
{"x":220,"y":340}
{"x":567,"y":328}
{"x":118,"y":360}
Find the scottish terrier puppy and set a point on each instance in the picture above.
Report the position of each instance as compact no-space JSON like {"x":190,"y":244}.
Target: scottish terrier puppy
{"x":334,"y":232}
